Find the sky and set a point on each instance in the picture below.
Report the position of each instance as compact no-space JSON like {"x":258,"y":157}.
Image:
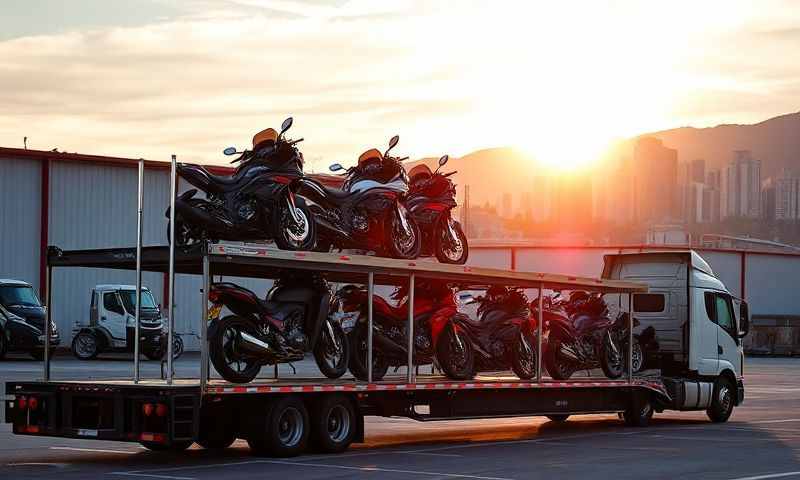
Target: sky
{"x":560,"y":80}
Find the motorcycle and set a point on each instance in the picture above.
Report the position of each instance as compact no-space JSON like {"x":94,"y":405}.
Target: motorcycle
{"x":504,"y":333}
{"x":368,"y":212}
{"x":431,"y":199}
{"x":438,"y":331}
{"x":581,"y":336}
{"x":291,"y":321}
{"x":253,"y":203}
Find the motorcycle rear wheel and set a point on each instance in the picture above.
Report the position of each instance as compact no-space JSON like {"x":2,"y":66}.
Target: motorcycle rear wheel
{"x":557,"y":366}
{"x":455,"y":355}
{"x":523,"y":356}
{"x":325,"y":352}
{"x":612,"y":363}
{"x":233,"y":368}
{"x":291,"y":236}
{"x":450,"y":250}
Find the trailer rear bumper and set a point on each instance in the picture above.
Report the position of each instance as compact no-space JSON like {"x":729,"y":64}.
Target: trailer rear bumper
{"x":102,"y":412}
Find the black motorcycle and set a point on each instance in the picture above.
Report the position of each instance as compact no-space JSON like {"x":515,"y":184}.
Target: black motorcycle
{"x":581,"y":335}
{"x":253,"y":204}
{"x":368,"y":212}
{"x":431,"y":199}
{"x":292,"y":321}
{"x":504,"y":333}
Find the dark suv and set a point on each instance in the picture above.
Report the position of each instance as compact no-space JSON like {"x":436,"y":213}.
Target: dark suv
{"x":22,"y":318}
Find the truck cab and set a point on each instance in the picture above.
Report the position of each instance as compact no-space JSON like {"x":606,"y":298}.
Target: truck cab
{"x":111,"y":323}
{"x":22,"y":319}
{"x":697,"y":325}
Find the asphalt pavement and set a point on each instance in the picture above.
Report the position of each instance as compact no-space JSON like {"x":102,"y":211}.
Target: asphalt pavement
{"x":760,"y":441}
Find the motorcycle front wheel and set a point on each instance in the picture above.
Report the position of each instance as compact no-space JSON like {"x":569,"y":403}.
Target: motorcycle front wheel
{"x":611,"y":359}
{"x":292,"y":235}
{"x":402,"y":245}
{"x":523,"y":356}
{"x":450,"y":249}
{"x":332,"y":353}
{"x":227,"y":360}
{"x":358,"y":356}
{"x":455,"y":355}
{"x":557,"y":366}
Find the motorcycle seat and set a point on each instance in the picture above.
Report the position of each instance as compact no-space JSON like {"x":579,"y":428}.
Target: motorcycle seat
{"x":335,"y":192}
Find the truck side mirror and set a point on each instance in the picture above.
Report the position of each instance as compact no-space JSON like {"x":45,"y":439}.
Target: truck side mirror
{"x":744,"y":319}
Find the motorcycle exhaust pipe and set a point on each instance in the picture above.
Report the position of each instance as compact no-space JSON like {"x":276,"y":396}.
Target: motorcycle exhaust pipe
{"x":252,"y":345}
{"x":196,"y":216}
{"x":387,"y":346}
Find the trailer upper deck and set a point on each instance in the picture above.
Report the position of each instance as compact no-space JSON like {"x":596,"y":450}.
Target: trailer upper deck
{"x":264,"y":262}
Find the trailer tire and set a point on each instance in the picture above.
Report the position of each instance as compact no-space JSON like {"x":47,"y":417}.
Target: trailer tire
{"x":638,"y":414}
{"x":172,"y":447}
{"x":217,"y":427}
{"x":722,"y":401}
{"x":560,"y":418}
{"x":282,"y":430}
{"x":333,"y":424}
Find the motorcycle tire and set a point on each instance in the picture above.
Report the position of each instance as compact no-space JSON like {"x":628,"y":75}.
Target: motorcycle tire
{"x":458,"y":366}
{"x":288,"y":239}
{"x":523,"y":360}
{"x":358,"y":357}
{"x":612,"y":367}
{"x":558,"y":367}
{"x":187,"y":238}
{"x":395,"y":250}
{"x":638,"y":356}
{"x":323,"y":348}
{"x":217,"y":348}
{"x":440,"y":232}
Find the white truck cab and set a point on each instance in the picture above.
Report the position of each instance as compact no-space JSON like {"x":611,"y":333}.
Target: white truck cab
{"x":112,"y":323}
{"x":698,"y":327}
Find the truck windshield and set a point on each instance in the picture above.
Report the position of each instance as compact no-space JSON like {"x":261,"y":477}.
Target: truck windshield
{"x":129,"y":299}
{"x":18,"y":295}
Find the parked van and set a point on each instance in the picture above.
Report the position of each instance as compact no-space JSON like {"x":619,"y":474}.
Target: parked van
{"x":697,"y":326}
{"x":22,"y":318}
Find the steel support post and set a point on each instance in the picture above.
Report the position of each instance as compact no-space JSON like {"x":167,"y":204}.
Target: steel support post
{"x":630,"y":337}
{"x":206,"y":289}
{"x":48,"y":319}
{"x":539,"y":321}
{"x":137,"y":308}
{"x":370,"y":291}
{"x":410,"y":372}
{"x":173,"y":189}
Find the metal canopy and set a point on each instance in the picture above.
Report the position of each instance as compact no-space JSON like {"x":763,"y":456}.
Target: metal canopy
{"x":264,"y":262}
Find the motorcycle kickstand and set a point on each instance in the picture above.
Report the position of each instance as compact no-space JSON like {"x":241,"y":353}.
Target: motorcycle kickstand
{"x":294,"y":370}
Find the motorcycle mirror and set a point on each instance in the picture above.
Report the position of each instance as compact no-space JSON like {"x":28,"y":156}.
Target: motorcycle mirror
{"x":286,"y":125}
{"x":443,"y":159}
{"x":229,"y":151}
{"x":392,"y":143}
{"x":336,"y":167}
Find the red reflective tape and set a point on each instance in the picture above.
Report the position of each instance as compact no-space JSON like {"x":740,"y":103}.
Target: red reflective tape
{"x":344,"y":258}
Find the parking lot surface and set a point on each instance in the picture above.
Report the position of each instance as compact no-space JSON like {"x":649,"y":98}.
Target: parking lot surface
{"x":761,"y":441}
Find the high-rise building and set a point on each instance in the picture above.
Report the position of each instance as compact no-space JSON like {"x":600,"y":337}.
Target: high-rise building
{"x":696,"y":171}
{"x":787,"y":197}
{"x":655,"y":177}
{"x":743,"y":186}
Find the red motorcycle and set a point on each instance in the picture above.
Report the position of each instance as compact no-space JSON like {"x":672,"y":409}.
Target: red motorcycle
{"x":430,"y":200}
{"x":439,"y":332}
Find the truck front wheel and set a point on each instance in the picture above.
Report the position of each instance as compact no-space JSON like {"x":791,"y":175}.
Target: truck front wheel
{"x":722,"y":402}
{"x":85,"y":346}
{"x":639,"y":413}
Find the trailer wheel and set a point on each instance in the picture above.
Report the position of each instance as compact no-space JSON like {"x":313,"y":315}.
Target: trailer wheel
{"x":217,"y":427}
{"x":558,"y":418}
{"x":282,"y":430}
{"x":333,"y":424}
{"x":638,"y":414}
{"x":172,"y":447}
{"x":722,"y":402}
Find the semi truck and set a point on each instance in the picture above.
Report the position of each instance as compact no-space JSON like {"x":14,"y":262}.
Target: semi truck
{"x":698,"y":364}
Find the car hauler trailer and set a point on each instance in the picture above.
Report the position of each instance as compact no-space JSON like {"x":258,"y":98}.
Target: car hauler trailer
{"x":282,"y":416}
